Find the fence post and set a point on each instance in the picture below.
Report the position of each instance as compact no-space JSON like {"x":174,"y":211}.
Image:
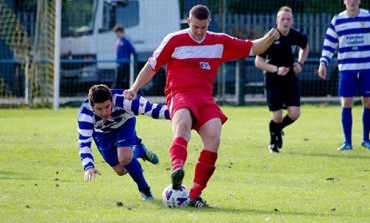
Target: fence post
{"x":58,"y":14}
{"x":132,"y":70}
{"x":26,"y":82}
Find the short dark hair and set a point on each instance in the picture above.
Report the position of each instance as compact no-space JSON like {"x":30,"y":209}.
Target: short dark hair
{"x":200,"y":12}
{"x":118,"y":28}
{"x":99,"y":93}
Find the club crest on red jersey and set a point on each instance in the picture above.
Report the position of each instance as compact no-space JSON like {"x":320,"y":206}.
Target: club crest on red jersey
{"x":205,"y":65}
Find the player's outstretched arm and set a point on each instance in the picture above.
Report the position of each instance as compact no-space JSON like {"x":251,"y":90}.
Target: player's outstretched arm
{"x":145,"y":75}
{"x":262,"y":44}
{"x":143,"y":106}
{"x":85,"y":130}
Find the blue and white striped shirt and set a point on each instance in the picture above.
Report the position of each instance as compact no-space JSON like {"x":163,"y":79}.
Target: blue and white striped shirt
{"x":122,"y":110}
{"x":351,"y":35}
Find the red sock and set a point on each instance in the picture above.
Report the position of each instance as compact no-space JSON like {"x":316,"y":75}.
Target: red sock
{"x":178,"y":153}
{"x":203,"y":172}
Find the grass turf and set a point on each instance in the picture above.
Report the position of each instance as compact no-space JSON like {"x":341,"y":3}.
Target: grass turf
{"x":41,"y":178}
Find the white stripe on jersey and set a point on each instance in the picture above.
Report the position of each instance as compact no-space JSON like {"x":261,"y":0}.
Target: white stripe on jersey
{"x":87,"y":161}
{"x":359,"y":66}
{"x":153,"y":59}
{"x":88,"y":140}
{"x":356,"y":54}
{"x":85,"y":118}
{"x":193,"y":52}
{"x":85,"y":149}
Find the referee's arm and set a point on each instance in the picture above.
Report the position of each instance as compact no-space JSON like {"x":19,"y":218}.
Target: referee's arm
{"x":263,"y":65}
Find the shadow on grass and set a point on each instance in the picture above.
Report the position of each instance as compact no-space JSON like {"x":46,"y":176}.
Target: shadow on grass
{"x":272,"y":212}
{"x":9,"y":175}
{"x":343,"y":155}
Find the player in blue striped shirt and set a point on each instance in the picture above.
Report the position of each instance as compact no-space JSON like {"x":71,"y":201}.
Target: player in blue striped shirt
{"x":110,"y":120}
{"x":349,"y":32}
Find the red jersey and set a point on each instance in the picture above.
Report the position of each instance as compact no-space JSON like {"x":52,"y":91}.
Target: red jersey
{"x":192,"y":65}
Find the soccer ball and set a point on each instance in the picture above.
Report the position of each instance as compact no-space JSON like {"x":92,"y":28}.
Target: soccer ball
{"x":175,"y":198}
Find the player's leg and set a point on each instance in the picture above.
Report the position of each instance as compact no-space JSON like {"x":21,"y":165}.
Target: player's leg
{"x":346,"y":91}
{"x":110,"y":157}
{"x":134,"y":169}
{"x":107,"y":149}
{"x":274,"y":99}
{"x":293,"y":114}
{"x":275,"y":130}
{"x":366,"y":122}
{"x":125,"y":138}
{"x":292,"y":100}
{"x":292,"y":97}
{"x":118,"y":78}
{"x":346,"y":119}
{"x":364,"y":83}
{"x":210,"y":133}
{"x":140,"y":151}
{"x":288,"y":119}
{"x":126,"y":77}
{"x":181,"y":128}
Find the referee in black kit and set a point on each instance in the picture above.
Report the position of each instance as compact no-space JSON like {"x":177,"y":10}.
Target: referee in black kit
{"x":281,"y":81}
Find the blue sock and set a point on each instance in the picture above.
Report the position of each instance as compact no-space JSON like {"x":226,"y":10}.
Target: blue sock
{"x":366,"y":124}
{"x":136,"y":172}
{"x":347,"y":124}
{"x":139,"y":151}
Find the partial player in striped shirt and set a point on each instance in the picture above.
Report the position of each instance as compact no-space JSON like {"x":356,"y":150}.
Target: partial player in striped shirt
{"x":349,"y":32}
{"x":110,"y":120}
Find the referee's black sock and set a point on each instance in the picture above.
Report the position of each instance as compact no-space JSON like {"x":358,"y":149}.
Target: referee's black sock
{"x":274,"y":129}
{"x":286,"y":121}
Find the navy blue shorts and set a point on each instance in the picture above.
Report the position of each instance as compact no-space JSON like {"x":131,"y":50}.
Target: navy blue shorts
{"x":282,"y":91}
{"x":107,"y":143}
{"x":353,"y":83}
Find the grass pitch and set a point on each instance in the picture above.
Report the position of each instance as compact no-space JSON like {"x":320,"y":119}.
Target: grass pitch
{"x":41,"y":178}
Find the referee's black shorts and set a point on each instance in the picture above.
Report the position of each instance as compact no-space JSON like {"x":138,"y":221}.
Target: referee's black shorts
{"x":282,"y":91}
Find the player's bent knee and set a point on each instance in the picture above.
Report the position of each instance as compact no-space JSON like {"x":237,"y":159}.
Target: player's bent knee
{"x":366,"y":102}
{"x":125,"y":160}
{"x":295,"y":116}
{"x":119,"y":170}
{"x":212,"y":142}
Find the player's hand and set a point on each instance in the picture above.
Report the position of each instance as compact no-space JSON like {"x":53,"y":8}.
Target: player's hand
{"x":297,"y":68}
{"x":90,"y":174}
{"x":274,"y":33}
{"x":282,"y":71}
{"x":322,"y":71}
{"x":130,"y":94}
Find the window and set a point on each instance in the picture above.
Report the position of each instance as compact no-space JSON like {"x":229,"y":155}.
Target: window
{"x":124,"y":14}
{"x":78,"y":17}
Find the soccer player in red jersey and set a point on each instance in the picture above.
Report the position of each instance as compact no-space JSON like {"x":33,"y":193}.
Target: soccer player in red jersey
{"x":193,"y":56}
